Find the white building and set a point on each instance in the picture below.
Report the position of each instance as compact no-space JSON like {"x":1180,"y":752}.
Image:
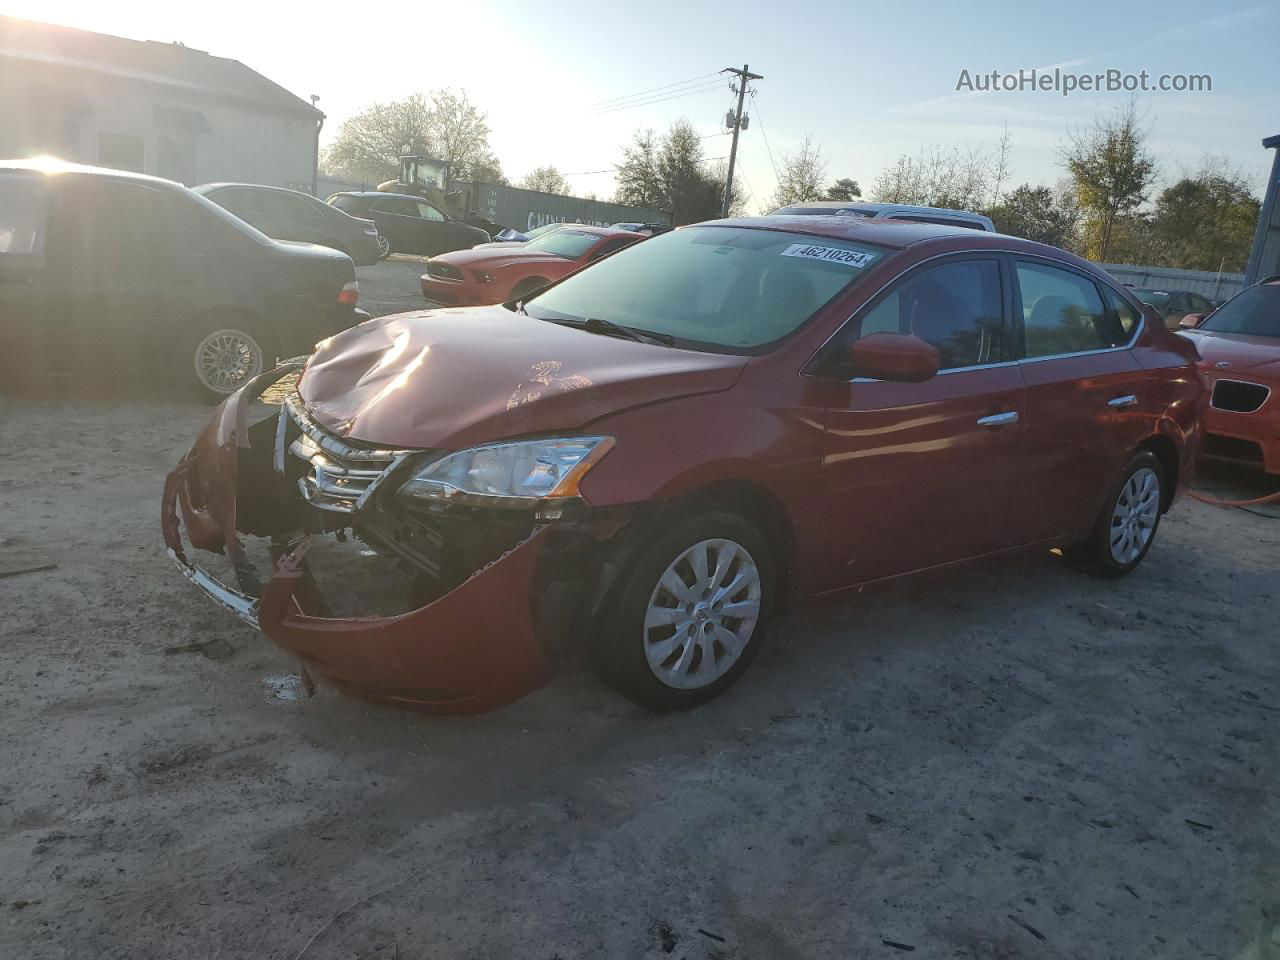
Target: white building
{"x":157,"y":108}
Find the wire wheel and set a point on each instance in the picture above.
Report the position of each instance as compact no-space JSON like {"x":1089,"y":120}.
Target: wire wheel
{"x":227,"y":359}
{"x":702,"y":614}
{"x":1134,"y":518}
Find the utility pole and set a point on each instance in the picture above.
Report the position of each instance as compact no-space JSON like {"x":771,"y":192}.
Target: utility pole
{"x":743,"y":76}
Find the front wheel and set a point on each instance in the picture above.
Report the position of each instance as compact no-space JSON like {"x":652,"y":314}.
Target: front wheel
{"x":691,"y":612}
{"x":384,"y":247}
{"x":1127,"y":526}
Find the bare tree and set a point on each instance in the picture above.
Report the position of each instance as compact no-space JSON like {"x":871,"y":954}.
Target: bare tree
{"x":945,"y":177}
{"x":802,"y":175}
{"x":546,"y":179}
{"x":1112,"y":169}
{"x":442,"y":124}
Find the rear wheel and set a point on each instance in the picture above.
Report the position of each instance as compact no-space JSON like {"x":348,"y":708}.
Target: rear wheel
{"x":1127,"y":526}
{"x":690,"y":614}
{"x":221,"y":357}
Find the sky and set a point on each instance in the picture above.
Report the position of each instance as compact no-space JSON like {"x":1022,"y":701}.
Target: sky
{"x":868,"y":81}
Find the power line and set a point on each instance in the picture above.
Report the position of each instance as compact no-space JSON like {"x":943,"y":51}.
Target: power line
{"x":712,"y":85}
{"x":760,"y":120}
{"x":641,"y":93}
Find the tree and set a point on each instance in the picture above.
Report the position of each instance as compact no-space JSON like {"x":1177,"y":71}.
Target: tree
{"x":670,"y":174}
{"x":843,"y":189}
{"x":940,"y":177}
{"x":1038,"y":213}
{"x":442,"y":124}
{"x":801,"y":175}
{"x":1112,"y":170}
{"x":1205,"y":221}
{"x":638,"y":182}
{"x":546,"y":179}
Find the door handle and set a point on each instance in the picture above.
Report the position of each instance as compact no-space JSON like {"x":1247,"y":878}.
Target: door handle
{"x":1128,"y":400}
{"x":998,"y":419}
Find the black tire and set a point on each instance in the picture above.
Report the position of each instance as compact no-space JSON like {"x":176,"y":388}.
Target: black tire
{"x":1096,"y":554}
{"x":526,"y":287}
{"x":194,"y":342}
{"x":620,"y":651}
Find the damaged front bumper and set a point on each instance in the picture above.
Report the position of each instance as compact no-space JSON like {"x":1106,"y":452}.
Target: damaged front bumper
{"x":491,"y":626}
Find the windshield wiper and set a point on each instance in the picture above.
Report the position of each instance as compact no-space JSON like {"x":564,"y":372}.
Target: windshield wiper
{"x":610,"y":329}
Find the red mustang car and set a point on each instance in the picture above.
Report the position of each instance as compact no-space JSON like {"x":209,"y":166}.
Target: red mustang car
{"x":655,"y":456}
{"x":487,"y":275}
{"x":1240,"y":346}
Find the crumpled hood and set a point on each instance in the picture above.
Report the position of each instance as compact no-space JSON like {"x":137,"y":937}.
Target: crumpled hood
{"x":457,"y":377}
{"x":488,"y":258}
{"x":1258,"y":356}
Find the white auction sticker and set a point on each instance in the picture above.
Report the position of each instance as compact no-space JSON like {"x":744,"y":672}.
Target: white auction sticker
{"x":809,"y":251}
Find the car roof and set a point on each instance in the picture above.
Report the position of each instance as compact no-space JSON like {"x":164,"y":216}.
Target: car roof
{"x":206,"y":187}
{"x":375,"y":194}
{"x":51,"y":166}
{"x":900,"y":234}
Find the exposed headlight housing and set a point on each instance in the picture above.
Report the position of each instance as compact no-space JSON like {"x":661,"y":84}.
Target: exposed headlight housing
{"x":520,"y":475}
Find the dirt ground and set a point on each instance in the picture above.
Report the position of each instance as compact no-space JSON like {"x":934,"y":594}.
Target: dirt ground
{"x":1014,"y":762}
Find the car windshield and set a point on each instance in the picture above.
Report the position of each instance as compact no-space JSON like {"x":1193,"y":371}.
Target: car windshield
{"x":727,"y":289}
{"x":1157,"y":298}
{"x":570,"y":244}
{"x":544,"y":229}
{"x":1256,"y":312}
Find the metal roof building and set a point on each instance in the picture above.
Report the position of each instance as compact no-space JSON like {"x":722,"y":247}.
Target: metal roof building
{"x":1264,"y":259}
{"x":157,"y":108}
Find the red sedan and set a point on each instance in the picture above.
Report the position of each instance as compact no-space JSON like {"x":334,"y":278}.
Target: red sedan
{"x":655,"y":456}
{"x":1240,"y":344}
{"x":488,"y":275}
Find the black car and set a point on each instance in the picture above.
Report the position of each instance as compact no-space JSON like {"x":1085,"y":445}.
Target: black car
{"x":290,"y":215}
{"x":1173,"y":305}
{"x":408,"y":224}
{"x":111,"y":274}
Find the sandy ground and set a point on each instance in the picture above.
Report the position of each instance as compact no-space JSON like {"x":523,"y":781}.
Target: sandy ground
{"x":1020,"y":762}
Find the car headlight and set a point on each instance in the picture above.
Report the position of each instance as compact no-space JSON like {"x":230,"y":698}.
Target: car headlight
{"x":515,"y":475}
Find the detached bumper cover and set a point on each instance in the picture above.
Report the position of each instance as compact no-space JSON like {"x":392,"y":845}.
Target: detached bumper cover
{"x":473,"y":649}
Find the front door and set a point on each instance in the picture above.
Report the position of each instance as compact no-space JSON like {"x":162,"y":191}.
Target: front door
{"x":919,"y":474}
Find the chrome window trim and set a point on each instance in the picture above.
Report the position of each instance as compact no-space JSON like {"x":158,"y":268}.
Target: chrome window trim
{"x":1138,"y":328}
{"x":1243,"y":383}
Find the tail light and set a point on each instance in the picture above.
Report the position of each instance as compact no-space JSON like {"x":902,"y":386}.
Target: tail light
{"x":350,"y":294}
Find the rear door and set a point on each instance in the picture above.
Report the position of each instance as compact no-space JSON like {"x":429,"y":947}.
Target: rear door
{"x":919,"y":474}
{"x":1086,"y":404}
{"x":24,"y":223}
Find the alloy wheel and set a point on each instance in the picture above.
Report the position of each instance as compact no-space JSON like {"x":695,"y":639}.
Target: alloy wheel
{"x":702,"y":614}
{"x":1133,"y":521}
{"x":384,"y":247}
{"x":227,"y":359}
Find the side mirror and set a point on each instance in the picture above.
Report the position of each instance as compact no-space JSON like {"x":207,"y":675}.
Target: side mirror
{"x":1191,"y":320}
{"x":894,"y":356}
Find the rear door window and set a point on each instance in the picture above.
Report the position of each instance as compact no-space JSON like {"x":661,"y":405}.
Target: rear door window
{"x":24,"y":218}
{"x":1062,"y":312}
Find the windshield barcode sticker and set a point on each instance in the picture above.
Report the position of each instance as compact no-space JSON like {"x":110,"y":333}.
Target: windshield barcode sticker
{"x":808,"y":251}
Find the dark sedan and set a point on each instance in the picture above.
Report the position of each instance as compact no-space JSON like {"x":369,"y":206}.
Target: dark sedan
{"x":1173,"y":305}
{"x":289,"y":215}
{"x":408,"y":224}
{"x":106,"y":274}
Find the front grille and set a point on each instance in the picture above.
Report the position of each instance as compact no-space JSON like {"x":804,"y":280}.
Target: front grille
{"x":1236,"y":396}
{"x":340,"y":475}
{"x":443,"y":271}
